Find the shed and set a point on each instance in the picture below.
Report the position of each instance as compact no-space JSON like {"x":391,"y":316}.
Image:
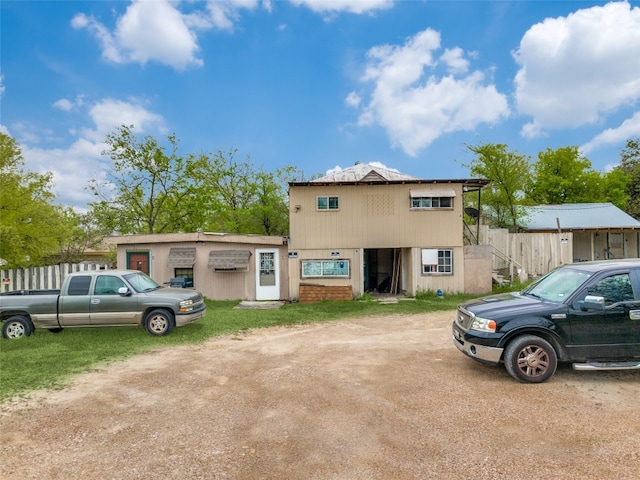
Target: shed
{"x":600,"y":230}
{"x":222,"y":266}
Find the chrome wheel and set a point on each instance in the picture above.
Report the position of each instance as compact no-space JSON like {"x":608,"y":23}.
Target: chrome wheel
{"x":530,"y":359}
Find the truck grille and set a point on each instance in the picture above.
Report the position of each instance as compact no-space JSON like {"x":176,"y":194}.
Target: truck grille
{"x":464,"y":318}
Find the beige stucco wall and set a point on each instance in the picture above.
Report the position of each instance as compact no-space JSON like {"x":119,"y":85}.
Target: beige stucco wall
{"x":213,"y":285}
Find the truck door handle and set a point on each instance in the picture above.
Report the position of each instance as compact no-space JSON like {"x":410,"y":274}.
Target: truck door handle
{"x":634,"y":314}
{"x":95,"y":301}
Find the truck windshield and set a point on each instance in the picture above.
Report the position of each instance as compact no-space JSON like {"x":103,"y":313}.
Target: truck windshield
{"x":557,"y":285}
{"x":140,"y":282}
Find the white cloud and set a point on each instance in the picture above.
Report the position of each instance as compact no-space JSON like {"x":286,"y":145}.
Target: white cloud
{"x":351,"y":6}
{"x":108,"y":114}
{"x":414,"y":104}
{"x":353,"y":99}
{"x":455,"y":61}
{"x":67,"y":105}
{"x":630,"y":128}
{"x":1,"y":85}
{"x":75,"y":165}
{"x":576,"y":69}
{"x":158,"y":32}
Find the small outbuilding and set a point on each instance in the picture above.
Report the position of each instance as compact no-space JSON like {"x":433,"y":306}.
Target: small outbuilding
{"x":600,"y":231}
{"x":221,"y":266}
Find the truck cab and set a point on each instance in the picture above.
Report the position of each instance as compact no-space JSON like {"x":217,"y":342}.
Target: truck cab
{"x":587,"y":314}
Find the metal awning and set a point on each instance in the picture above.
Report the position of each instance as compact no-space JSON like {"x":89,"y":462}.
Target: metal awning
{"x":432,"y":192}
{"x":181,"y":257}
{"x":229,"y":259}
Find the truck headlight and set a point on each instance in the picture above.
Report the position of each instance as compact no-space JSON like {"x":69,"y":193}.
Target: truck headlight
{"x":186,"y":305}
{"x":483,"y":325}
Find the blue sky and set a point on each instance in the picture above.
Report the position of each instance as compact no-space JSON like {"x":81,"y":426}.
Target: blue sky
{"x":318,"y":84}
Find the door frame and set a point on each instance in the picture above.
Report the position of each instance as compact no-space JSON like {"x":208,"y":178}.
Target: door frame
{"x":268,"y":292}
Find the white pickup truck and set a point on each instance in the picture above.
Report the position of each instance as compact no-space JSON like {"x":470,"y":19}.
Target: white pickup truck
{"x":100,"y":298}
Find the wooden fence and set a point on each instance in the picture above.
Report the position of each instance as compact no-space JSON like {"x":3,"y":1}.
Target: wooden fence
{"x":527,"y":254}
{"x":38,"y":278}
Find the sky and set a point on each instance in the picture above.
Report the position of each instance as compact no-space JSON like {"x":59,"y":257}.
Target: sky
{"x":317,"y":84}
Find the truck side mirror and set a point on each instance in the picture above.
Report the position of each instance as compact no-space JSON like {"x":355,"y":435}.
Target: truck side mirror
{"x":124,"y":292}
{"x":591,"y":302}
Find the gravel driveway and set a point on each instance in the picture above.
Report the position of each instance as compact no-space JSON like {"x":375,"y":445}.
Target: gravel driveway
{"x":374,"y":398}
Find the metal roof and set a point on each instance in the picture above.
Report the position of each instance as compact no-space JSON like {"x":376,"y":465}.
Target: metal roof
{"x":577,"y":216}
{"x":364,"y":173}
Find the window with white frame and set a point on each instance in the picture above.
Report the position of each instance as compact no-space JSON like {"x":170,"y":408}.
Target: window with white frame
{"x":437,"y":260}
{"x":327,"y":203}
{"x":325,"y":268}
{"x":432,"y":198}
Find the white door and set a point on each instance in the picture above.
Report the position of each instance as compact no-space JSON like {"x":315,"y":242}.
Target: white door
{"x":267,"y":274}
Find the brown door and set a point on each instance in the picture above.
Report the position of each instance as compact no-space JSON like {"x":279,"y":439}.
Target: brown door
{"x":139,"y":261}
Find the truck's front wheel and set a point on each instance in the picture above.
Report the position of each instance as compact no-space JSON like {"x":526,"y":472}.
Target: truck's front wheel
{"x":530,"y":359}
{"x":159,"y":322}
{"x":16,"y":327}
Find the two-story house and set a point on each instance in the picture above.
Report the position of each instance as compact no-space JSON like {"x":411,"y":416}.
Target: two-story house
{"x":371,"y":229}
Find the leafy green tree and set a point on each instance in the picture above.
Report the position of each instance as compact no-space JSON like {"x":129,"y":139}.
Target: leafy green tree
{"x":81,"y":233}
{"x":508,"y":173}
{"x":564,"y":176}
{"x":30,"y":226}
{"x":146,"y":190}
{"x":616,"y":185}
{"x":630,"y":165}
{"x":242,"y":198}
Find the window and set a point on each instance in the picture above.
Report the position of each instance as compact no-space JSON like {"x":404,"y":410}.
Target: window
{"x":183,"y":272}
{"x":325,"y":268}
{"x":432,"y":202}
{"x":327,"y":203}
{"x":108,"y":285}
{"x":437,"y":261}
{"x":614,"y":289}
{"x":79,"y":285}
{"x":432,"y":198}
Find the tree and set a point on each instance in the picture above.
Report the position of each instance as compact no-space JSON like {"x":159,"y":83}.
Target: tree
{"x":239,"y":197}
{"x":145,"y":190}
{"x":630,"y":166}
{"x":30,"y":226}
{"x":564,"y":176}
{"x":149,"y":191}
{"x":508,"y":173}
{"x":82,"y":233}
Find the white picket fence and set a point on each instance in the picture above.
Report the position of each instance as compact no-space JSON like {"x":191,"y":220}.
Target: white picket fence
{"x":42,"y":278}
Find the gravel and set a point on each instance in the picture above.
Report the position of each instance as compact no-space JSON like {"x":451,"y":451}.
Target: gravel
{"x":373,"y":398}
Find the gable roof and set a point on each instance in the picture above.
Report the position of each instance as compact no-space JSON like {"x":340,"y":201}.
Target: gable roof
{"x":364,"y":173}
{"x":577,"y":216}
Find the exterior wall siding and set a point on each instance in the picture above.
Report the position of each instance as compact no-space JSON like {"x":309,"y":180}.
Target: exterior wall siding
{"x":214,"y":285}
{"x":371,"y":216}
{"x":374,"y":216}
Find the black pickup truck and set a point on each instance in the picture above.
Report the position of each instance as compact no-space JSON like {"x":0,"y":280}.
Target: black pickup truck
{"x":587,"y":314}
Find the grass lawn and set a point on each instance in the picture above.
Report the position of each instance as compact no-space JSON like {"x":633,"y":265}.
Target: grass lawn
{"x":47,"y":360}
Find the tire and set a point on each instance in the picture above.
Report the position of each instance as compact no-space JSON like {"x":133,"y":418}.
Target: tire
{"x":530,"y":359}
{"x":159,"y":322}
{"x":16,"y":327}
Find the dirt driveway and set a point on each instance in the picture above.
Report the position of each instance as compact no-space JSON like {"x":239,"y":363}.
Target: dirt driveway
{"x":375,"y":398}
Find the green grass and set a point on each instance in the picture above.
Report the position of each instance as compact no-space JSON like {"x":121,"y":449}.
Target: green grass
{"x":48,"y":361}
